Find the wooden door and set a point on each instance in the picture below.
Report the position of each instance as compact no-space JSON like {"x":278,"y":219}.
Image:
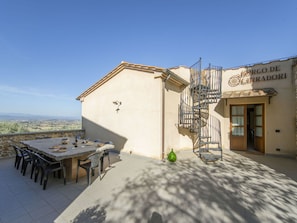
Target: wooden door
{"x":259,"y":128}
{"x":238,"y":135}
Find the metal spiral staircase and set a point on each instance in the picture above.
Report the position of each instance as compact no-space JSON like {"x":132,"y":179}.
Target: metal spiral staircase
{"x":204,"y":129}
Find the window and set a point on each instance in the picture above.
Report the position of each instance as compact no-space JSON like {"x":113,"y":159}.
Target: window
{"x":237,"y":119}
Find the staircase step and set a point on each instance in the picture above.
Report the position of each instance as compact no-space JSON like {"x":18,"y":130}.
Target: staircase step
{"x":210,"y":149}
{"x":209,"y":157}
{"x":215,"y":149}
{"x":208,"y":142}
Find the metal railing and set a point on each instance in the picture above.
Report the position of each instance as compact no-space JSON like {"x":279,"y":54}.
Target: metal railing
{"x":204,"y":89}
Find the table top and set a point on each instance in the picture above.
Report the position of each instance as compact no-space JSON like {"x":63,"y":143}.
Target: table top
{"x":62,"y":148}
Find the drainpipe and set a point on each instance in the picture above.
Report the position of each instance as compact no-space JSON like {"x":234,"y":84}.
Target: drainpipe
{"x":163,"y":115}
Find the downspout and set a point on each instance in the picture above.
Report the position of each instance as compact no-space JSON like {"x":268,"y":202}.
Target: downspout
{"x":163,"y":116}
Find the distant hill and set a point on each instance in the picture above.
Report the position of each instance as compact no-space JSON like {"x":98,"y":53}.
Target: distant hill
{"x":30,"y":117}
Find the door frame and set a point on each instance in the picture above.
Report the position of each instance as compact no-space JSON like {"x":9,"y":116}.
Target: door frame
{"x":240,"y":141}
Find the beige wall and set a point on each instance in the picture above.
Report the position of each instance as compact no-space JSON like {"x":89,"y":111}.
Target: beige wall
{"x":173,"y":139}
{"x":136,"y":127}
{"x":279,"y":113}
{"x":183,"y":72}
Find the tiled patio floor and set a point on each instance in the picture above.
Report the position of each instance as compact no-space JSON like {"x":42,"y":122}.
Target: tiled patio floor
{"x":22,"y":200}
{"x":241,"y":188}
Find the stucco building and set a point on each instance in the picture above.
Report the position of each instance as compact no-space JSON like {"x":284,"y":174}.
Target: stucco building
{"x":258,"y":107}
{"x":149,"y":110}
{"x":136,"y":107}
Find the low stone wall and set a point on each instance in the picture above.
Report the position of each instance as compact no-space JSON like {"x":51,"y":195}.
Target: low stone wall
{"x":8,"y":140}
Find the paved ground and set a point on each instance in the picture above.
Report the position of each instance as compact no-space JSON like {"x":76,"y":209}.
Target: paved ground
{"x":238,"y":189}
{"x":242,"y":188}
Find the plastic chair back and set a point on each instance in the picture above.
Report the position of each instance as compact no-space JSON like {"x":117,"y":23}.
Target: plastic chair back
{"x":95,"y":159}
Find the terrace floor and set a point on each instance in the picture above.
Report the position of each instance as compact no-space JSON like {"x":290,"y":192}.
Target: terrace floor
{"x":244,"y":187}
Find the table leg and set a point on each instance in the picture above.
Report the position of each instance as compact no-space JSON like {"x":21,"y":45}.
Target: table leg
{"x":71,"y":166}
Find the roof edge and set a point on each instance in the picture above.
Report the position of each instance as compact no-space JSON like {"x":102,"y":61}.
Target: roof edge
{"x":123,"y":65}
{"x":262,"y":63}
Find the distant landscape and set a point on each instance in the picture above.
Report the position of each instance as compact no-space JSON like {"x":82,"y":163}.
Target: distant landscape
{"x":24,"y":123}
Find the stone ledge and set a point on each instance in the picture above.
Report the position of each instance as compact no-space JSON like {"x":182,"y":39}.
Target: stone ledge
{"x":8,"y":140}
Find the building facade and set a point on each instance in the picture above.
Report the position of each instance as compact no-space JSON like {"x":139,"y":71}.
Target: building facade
{"x":258,"y":107}
{"x":138,"y":108}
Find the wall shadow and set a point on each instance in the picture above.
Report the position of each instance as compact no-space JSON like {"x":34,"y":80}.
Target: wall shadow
{"x":219,"y":108}
{"x":94,"y":131}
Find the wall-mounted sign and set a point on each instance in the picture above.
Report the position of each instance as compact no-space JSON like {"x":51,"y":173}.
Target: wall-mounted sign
{"x":252,"y":75}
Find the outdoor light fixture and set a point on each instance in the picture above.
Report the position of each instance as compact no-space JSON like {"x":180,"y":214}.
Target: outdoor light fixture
{"x":118,"y":103}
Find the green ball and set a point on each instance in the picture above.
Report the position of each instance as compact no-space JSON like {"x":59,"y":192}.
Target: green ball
{"x":171,"y":156}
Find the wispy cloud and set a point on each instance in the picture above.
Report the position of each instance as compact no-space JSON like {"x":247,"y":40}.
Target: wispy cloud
{"x":31,"y":92}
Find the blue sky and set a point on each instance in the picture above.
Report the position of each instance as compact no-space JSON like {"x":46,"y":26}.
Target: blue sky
{"x":53,"y":50}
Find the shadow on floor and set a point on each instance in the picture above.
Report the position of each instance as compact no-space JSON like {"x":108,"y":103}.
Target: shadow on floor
{"x":285,"y":165}
{"x":237,"y":189}
{"x":95,"y":214}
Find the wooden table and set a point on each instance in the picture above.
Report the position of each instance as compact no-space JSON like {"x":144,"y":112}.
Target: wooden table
{"x":68,"y":156}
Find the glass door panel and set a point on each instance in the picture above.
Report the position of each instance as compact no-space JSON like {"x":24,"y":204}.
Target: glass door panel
{"x":259,"y":127}
{"x":238,"y":126}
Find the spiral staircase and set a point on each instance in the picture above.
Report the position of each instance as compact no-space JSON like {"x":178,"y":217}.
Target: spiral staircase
{"x":202,"y":128}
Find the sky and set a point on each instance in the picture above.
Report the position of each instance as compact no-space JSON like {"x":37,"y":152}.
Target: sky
{"x":53,"y":50}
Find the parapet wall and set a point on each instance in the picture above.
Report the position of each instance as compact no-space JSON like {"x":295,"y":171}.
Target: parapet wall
{"x":8,"y":140}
